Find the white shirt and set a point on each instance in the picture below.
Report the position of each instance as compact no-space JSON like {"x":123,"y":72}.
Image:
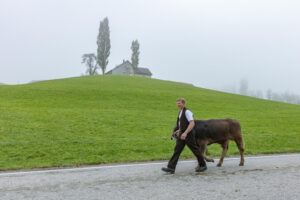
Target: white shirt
{"x":188,"y":115}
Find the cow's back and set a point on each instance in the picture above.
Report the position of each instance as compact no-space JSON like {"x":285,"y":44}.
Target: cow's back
{"x":217,"y":130}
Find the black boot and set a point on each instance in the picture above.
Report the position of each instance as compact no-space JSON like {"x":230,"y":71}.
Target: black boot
{"x":168,"y":170}
{"x":201,"y":169}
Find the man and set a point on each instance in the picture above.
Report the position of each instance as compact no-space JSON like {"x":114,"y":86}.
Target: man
{"x":186,"y":136}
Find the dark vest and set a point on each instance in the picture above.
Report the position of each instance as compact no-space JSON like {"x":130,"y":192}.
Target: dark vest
{"x":184,"y":123}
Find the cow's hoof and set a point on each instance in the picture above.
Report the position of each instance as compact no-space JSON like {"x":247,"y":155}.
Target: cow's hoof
{"x":209,"y":160}
{"x":219,"y":165}
{"x":241,"y":164}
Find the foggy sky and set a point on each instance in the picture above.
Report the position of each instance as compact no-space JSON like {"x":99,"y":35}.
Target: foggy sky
{"x":211,"y":44}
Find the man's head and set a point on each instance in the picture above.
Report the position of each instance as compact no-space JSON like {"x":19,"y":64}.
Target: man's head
{"x":180,"y":103}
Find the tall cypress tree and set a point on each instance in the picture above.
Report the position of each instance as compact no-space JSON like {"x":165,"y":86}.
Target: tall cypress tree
{"x":103,"y":42}
{"x":135,"y":47}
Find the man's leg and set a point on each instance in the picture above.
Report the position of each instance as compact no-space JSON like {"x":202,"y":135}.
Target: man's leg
{"x":177,"y":151}
{"x":190,"y":141}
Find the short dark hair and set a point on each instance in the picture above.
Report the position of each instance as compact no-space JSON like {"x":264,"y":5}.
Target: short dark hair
{"x":181,"y":99}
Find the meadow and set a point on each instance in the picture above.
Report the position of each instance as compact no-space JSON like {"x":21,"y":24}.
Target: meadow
{"x":109,"y":119}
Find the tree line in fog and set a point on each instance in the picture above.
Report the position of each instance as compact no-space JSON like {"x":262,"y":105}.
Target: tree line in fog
{"x":243,"y":89}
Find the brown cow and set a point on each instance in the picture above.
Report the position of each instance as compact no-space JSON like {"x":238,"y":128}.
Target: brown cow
{"x":219,"y":131}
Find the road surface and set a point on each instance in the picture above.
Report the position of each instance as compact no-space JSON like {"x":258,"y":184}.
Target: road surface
{"x":262,"y":177}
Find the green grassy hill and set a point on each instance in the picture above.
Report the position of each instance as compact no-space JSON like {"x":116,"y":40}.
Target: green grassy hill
{"x":104,"y":119}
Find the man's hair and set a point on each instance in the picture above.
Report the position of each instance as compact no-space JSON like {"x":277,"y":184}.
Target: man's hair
{"x":181,"y":100}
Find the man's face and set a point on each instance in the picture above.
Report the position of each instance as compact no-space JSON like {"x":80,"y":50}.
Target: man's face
{"x":180,"y":105}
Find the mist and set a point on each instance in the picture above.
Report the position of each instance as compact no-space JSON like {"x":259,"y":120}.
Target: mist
{"x":211,"y":44}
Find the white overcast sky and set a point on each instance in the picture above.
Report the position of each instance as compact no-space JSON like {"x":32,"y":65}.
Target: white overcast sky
{"x":212,"y":43}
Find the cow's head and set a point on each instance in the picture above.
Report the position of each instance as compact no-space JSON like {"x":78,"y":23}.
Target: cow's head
{"x":174,"y":136}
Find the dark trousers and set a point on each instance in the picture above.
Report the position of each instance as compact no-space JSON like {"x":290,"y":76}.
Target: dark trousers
{"x":190,"y":141}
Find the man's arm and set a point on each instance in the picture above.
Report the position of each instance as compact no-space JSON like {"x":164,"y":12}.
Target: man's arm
{"x":175,"y":127}
{"x":175,"y":131}
{"x":189,"y":128}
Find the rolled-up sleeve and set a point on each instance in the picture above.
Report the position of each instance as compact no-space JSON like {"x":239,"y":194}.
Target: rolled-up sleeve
{"x":189,"y":115}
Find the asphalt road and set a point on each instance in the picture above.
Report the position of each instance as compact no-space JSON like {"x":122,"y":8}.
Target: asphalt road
{"x":262,"y":177}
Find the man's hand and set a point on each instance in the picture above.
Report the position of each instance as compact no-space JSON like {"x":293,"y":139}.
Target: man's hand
{"x":183,"y":136}
{"x":177,"y":133}
{"x":189,"y":128}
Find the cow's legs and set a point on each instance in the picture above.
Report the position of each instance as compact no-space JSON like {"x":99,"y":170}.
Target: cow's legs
{"x":208,"y":159}
{"x":224,"y":151}
{"x":203,"y":147}
{"x":240,"y":144}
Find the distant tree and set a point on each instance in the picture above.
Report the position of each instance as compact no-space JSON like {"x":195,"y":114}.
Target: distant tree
{"x":298,"y":100}
{"x":244,"y":87}
{"x":90,"y":60}
{"x":259,"y":94}
{"x":277,"y":97}
{"x":135,"y":46}
{"x":103,"y":42}
{"x":287,"y":97}
{"x":283,"y":97}
{"x":269,"y":94}
{"x":290,"y":98}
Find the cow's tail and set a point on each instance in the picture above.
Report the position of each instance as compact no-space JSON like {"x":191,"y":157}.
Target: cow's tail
{"x":239,"y":139}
